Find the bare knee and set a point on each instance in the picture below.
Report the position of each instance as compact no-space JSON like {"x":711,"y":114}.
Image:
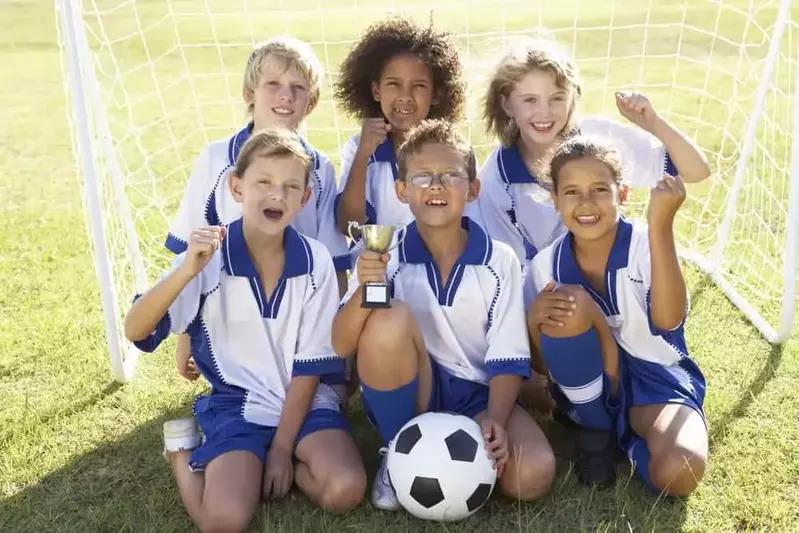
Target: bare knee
{"x":580,"y":321}
{"x":530,"y":476}
{"x":226,"y":518}
{"x":343,"y":491}
{"x":677,"y":471}
{"x":386,"y":330}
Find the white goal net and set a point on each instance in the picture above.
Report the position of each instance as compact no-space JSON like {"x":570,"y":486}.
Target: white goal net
{"x":150,"y":83}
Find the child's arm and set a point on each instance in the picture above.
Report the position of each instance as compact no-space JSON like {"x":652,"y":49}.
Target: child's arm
{"x":352,"y":204}
{"x":688,"y":159}
{"x":351,"y":318}
{"x":668,"y":294}
{"x":147,"y":314}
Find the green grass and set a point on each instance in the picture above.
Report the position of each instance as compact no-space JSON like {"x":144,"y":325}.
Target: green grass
{"x":79,"y":453}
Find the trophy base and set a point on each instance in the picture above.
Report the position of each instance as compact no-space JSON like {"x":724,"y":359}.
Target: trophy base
{"x":376,"y":296}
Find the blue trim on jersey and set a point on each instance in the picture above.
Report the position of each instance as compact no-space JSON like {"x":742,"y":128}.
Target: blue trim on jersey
{"x":384,"y":153}
{"x":175,"y":245}
{"x":512,"y":168}
{"x":158,"y":335}
{"x":477,"y":252}
{"x":342,"y":262}
{"x":320,"y":367}
{"x":669,"y":167}
{"x":237,"y":262}
{"x":237,"y":141}
{"x":514,"y":367}
{"x":530,"y":251}
{"x":566,"y":270}
{"x":211,"y":215}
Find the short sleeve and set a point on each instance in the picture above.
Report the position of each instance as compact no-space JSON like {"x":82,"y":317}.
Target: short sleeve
{"x":643,"y":156}
{"x":193,"y":204}
{"x":181,"y":313}
{"x":327,"y":231}
{"x":508,"y":346}
{"x":315,"y":355}
{"x":347,"y":157}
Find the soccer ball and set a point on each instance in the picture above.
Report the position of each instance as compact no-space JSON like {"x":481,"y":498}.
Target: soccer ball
{"x":439,"y":467}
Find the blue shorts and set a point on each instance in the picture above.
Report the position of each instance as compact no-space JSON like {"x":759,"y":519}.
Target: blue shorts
{"x":646,"y":383}
{"x":224,"y":430}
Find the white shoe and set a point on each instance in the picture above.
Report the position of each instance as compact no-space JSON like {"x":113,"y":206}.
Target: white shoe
{"x":383,"y":495}
{"x":181,"y":434}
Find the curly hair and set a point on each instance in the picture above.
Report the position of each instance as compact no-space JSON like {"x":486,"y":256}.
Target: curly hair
{"x":435,"y":131}
{"x":387,"y":39}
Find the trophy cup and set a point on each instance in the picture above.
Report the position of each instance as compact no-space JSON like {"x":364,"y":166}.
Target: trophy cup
{"x":377,"y":238}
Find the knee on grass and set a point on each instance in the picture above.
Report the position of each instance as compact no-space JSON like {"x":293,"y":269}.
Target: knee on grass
{"x":677,"y":471}
{"x":529,"y":476}
{"x":227,"y":518}
{"x":343,"y":491}
{"x":579,"y":322}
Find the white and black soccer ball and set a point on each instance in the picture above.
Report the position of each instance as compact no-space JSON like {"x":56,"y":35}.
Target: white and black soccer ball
{"x":440,"y":468}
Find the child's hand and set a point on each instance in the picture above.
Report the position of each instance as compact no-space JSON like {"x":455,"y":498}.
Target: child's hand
{"x":203,"y":242}
{"x":637,"y":108}
{"x":496,"y":443}
{"x":373,"y":132}
{"x":372,"y":267}
{"x":186,"y":366}
{"x":278,"y":473}
{"x":665,"y":200}
{"x":549,"y":306}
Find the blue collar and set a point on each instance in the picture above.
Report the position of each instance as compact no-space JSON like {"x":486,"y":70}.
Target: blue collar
{"x":477,"y":252}
{"x":566,"y":269}
{"x":511,"y":166}
{"x":298,"y":262}
{"x":238,"y":140}
{"x":384,"y":153}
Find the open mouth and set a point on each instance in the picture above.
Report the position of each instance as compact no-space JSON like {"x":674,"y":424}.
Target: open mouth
{"x":435,"y":202}
{"x":282,"y":111}
{"x":273,"y":214}
{"x":543,"y":127}
{"x":587,"y":220}
{"x":406,"y":112}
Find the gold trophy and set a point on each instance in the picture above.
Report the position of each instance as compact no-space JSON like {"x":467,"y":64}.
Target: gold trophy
{"x":377,"y":238}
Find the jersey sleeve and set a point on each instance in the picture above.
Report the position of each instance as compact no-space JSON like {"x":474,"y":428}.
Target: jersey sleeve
{"x":191,"y":212}
{"x":508,"y":346}
{"x":181,"y":313}
{"x":347,"y":157}
{"x":643,"y":157}
{"x":315,"y":355}
{"x":493,"y":207}
{"x":327,"y":231}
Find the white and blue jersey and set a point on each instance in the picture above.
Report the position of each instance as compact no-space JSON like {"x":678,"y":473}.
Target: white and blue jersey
{"x":474,"y":325}
{"x":382,"y":204}
{"x":249,"y":346}
{"x":207,"y":200}
{"x":655,"y":362}
{"x":515,"y":207}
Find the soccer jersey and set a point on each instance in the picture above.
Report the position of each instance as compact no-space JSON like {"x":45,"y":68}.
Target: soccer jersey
{"x":626,"y":302}
{"x":247,"y":345}
{"x":474,"y":324}
{"x":207,"y":200}
{"x":382,"y":204}
{"x":515,"y":207}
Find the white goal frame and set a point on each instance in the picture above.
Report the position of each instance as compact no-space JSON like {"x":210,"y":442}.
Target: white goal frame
{"x":93,"y":143}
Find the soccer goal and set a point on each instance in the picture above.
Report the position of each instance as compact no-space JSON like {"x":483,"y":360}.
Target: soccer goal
{"x":149,"y":83}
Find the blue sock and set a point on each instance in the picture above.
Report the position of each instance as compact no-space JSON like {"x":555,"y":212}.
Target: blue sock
{"x":576,"y":365}
{"x":638,"y":453}
{"x":391,"y":409}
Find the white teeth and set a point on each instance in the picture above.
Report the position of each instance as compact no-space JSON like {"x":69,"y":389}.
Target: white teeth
{"x":542,"y":125}
{"x":587,"y":219}
{"x":282,"y":111}
{"x":436,"y":201}
{"x":403,"y":111}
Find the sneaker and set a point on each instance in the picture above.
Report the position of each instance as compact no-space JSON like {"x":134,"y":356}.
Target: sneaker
{"x":596,"y":459}
{"x":181,"y":434}
{"x":383,"y":495}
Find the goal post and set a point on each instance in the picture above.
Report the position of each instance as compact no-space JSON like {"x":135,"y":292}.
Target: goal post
{"x":149,"y":84}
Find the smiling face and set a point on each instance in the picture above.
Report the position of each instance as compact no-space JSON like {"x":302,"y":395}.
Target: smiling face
{"x":588,"y":198}
{"x":436,"y":185}
{"x":282,"y":96}
{"x":405,"y":91}
{"x":272,"y":191}
{"x":539,"y":107}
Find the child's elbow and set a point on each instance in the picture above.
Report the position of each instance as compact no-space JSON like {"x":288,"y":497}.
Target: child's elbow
{"x":701,"y":172}
{"x":130,"y":329}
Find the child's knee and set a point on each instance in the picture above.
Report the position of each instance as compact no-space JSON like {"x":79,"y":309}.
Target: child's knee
{"x":344,"y":491}
{"x":530,"y":476}
{"x":677,"y":470}
{"x":580,"y":320}
{"x":225,"y":519}
{"x":386,"y":330}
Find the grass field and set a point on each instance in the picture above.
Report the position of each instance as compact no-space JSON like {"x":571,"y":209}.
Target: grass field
{"x":80,"y":453}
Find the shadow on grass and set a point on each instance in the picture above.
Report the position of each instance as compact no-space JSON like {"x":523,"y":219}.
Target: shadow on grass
{"x":126,"y":486}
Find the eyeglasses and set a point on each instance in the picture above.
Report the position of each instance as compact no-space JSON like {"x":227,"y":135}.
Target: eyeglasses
{"x":447,"y":179}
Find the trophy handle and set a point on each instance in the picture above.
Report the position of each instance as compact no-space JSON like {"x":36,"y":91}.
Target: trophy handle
{"x":349,"y":229}
{"x":398,"y":229}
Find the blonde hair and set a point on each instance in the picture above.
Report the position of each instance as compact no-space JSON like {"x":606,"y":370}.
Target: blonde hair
{"x":290,"y":52}
{"x":272,"y":143}
{"x":521,"y":59}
